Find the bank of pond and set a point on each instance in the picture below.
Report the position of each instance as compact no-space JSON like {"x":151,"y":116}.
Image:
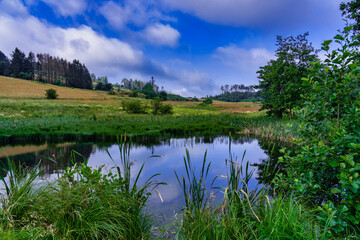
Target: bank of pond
{"x":151,"y":188}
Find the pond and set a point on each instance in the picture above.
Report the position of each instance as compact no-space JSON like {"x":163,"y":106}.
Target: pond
{"x":170,"y":158}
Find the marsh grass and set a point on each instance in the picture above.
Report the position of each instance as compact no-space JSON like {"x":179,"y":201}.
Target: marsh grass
{"x":82,"y":203}
{"x":243,"y":214}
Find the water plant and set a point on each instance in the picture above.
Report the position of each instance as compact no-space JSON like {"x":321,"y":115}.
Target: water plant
{"x":83,"y":203}
{"x":243,"y":214}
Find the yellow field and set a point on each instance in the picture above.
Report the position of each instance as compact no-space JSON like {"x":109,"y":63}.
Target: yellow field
{"x":18,"y":88}
{"x":31,"y":92}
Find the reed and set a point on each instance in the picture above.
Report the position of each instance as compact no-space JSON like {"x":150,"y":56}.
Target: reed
{"x":82,"y":203}
{"x":243,"y":214}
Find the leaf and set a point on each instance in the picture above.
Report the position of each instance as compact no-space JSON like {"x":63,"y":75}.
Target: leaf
{"x":339,"y":37}
{"x":333,"y":163}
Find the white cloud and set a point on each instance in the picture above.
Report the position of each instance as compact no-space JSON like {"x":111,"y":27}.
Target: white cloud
{"x":243,"y":59}
{"x":102,"y":55}
{"x":12,"y":7}
{"x":162,"y":35}
{"x":136,"y":12}
{"x":260,"y":13}
{"x":193,"y":83}
{"x":67,"y":7}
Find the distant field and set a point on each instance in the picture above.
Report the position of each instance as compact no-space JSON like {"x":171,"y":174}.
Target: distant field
{"x":18,"y":91}
{"x":25,"y":114}
{"x":18,"y":88}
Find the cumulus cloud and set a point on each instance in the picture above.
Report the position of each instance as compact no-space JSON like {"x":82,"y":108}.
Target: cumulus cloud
{"x":136,"y":12}
{"x":243,"y":59}
{"x":67,"y":7}
{"x":102,"y":55}
{"x":12,"y":7}
{"x":258,"y":12}
{"x":160,"y":34}
{"x":193,"y":83}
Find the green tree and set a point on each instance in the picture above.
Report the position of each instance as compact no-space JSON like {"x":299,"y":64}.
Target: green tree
{"x":351,"y":11}
{"x":17,"y":62}
{"x":280,"y":80}
{"x":207,"y":101}
{"x":326,"y":166}
{"x":51,"y":94}
{"x":4,"y":64}
{"x":149,"y":91}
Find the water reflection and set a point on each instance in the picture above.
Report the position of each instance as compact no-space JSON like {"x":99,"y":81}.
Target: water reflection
{"x":172,"y":152}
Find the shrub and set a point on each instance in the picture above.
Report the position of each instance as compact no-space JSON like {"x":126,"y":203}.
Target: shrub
{"x":133,"y":106}
{"x":207,"y":101}
{"x":159,"y":108}
{"x":51,"y":94}
{"x":133,"y":93}
{"x":166,"y":109}
{"x":326,"y":168}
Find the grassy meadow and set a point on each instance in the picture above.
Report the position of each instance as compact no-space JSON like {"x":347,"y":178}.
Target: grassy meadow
{"x":25,"y":114}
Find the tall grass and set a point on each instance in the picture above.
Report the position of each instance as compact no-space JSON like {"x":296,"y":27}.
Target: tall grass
{"x":92,"y":127}
{"x":83,"y":203}
{"x":243,"y":214}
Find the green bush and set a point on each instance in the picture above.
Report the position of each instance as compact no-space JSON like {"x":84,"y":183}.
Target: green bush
{"x":133,"y":93}
{"x":159,"y":108}
{"x":207,"y":101}
{"x":51,"y":94}
{"x":133,"y":106}
{"x":326,"y":166}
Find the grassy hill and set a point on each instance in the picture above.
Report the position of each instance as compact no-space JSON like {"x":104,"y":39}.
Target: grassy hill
{"x":18,"y":88}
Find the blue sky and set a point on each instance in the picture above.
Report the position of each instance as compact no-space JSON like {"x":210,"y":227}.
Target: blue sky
{"x":191,"y":47}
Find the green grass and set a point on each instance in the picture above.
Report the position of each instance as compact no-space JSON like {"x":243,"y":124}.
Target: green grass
{"x":29,"y":120}
{"x":244,"y":214}
{"x":83,"y":203}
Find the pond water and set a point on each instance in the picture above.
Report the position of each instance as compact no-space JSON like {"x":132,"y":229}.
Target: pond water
{"x":172,"y":152}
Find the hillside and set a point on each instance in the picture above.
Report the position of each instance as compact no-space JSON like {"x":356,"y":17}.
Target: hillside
{"x":18,"y":88}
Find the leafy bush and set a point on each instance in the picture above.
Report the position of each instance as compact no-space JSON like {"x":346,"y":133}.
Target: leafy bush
{"x":133,"y":106}
{"x":166,"y":109}
{"x":326,"y":168}
{"x":159,"y":108}
{"x":207,"y":101}
{"x":51,"y":94}
{"x":133,"y":93}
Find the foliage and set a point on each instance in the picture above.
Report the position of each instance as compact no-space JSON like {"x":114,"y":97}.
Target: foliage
{"x":350,"y":10}
{"x":237,"y":96}
{"x":148,"y":90}
{"x":133,"y":106}
{"x":104,"y":86}
{"x":4,"y":64}
{"x":46,"y":68}
{"x":133,"y":93}
{"x":242,"y":214}
{"x":174,"y":97}
{"x":326,"y":169}
{"x":207,"y":101}
{"x":280,"y":79}
{"x":51,"y":94}
{"x":158,"y":108}
{"x":163,"y":95}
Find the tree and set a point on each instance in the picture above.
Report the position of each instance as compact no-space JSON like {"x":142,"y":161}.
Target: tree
{"x":51,"y":94}
{"x":17,"y":62}
{"x":4,"y":64}
{"x":281,"y":80}
{"x":326,"y":165}
{"x":351,"y":11}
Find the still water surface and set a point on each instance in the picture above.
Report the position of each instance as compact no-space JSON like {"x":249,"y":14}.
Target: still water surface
{"x":172,"y":153}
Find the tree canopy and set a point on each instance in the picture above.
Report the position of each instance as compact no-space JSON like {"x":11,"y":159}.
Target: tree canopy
{"x":280,"y":80}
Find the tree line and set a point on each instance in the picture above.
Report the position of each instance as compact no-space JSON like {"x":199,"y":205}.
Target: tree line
{"x":238,"y":93}
{"x":45,"y":68}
